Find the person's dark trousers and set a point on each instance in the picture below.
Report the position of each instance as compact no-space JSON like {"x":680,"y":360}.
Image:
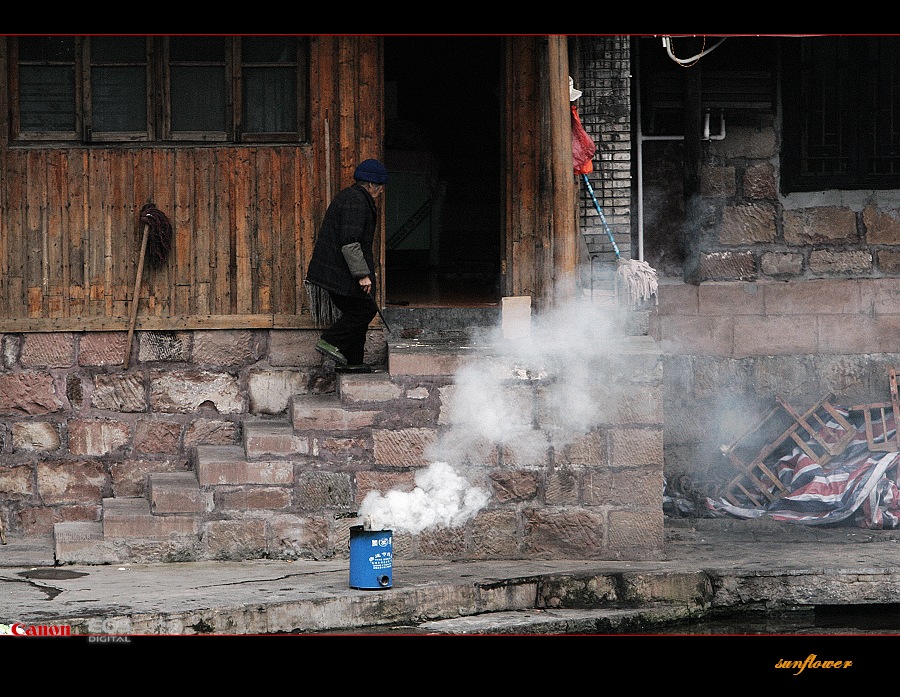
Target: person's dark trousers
{"x":349,"y":332}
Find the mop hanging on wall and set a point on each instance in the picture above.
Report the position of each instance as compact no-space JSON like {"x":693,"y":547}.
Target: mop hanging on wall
{"x":636,"y":276}
{"x":159,"y":231}
{"x":156,"y":242}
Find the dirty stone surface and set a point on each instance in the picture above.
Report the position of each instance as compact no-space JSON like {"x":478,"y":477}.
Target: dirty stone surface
{"x":708,"y":566}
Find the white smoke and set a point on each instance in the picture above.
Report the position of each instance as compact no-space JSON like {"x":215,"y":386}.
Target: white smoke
{"x":486,"y":406}
{"x":442,"y":499}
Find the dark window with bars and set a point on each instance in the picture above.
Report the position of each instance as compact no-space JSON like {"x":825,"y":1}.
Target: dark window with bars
{"x":198,"y":84}
{"x":118,"y":85}
{"x":841,"y":113}
{"x":140,"y":88}
{"x":47,"y":95}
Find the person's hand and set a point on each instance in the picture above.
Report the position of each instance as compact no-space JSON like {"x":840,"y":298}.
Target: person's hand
{"x":366,"y":284}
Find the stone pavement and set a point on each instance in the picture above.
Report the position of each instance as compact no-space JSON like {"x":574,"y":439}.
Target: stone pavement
{"x":709,"y":566}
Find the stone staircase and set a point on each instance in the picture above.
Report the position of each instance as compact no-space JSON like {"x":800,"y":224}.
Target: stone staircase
{"x":292,"y":487}
{"x":242,"y":501}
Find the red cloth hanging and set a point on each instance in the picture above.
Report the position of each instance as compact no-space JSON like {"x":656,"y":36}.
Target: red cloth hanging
{"x":583,"y":148}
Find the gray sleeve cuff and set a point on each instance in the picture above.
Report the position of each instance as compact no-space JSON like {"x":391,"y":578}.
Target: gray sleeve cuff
{"x":355,"y":260}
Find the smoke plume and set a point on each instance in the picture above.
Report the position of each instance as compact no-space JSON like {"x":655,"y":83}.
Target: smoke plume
{"x":486,"y":407}
{"x":442,"y":498}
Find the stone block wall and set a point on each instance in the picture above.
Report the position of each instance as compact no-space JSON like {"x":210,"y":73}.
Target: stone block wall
{"x":752,"y":232}
{"x":75,"y":427}
{"x":731,"y":347}
{"x":243,"y":444}
{"x":740,"y":227}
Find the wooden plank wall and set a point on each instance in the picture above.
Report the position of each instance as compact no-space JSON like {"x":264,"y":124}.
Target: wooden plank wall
{"x":244,"y":217}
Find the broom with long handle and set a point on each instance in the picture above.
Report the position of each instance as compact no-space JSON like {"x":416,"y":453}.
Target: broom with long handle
{"x":157,"y":236}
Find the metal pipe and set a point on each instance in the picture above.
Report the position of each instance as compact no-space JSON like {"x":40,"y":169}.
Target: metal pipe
{"x":706,"y":134}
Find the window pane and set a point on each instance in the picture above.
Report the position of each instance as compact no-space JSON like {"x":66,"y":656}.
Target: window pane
{"x":270,"y":100}
{"x":46,"y":89}
{"x":269,"y":73}
{"x":118,"y":84}
{"x":46,"y":98}
{"x":119,"y":99}
{"x":118,"y":49}
{"x":197,"y":49}
{"x":198,"y":98}
{"x":269,"y":49}
{"x":46,"y":49}
{"x":197,"y":88}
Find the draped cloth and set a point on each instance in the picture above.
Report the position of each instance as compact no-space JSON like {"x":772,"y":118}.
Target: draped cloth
{"x":858,"y":485}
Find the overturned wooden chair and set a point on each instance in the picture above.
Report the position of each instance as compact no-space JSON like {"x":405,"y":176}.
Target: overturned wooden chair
{"x":752,"y":452}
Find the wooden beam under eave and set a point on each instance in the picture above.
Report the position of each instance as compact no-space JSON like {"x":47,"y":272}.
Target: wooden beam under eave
{"x":181,"y":323}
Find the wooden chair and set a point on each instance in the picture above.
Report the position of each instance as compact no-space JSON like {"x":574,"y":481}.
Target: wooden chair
{"x":881,"y":418}
{"x":754,"y":457}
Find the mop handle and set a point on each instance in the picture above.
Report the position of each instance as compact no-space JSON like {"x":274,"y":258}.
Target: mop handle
{"x":587,"y":183}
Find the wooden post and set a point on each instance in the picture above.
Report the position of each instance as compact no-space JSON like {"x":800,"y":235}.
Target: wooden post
{"x":565,"y":232}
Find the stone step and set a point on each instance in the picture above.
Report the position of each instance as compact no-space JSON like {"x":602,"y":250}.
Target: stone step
{"x":440,"y":321}
{"x":372,"y":387}
{"x":268,"y":439}
{"x":83,"y":543}
{"x":177,"y":492}
{"x":430,"y":355}
{"x":208,"y":460}
{"x":131,"y":517}
{"x":227,"y":465}
{"x":327,"y":413}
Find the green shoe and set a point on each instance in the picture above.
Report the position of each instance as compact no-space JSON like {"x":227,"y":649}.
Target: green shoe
{"x":362,"y":368}
{"x":332,"y":352}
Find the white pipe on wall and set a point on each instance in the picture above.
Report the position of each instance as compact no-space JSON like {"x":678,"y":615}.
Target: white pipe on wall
{"x":706,"y":134}
{"x":640,"y":154}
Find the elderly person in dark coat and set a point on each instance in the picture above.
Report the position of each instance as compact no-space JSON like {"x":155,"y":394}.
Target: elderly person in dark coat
{"x":340,"y":279}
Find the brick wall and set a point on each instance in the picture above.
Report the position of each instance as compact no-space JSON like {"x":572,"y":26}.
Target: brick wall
{"x":731,"y":347}
{"x":242,"y":444}
{"x":605,"y":111}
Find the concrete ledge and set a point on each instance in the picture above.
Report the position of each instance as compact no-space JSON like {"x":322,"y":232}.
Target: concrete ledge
{"x":696,"y":581}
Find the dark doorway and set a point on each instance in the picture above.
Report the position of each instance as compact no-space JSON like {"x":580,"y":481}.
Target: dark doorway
{"x":444,"y":198}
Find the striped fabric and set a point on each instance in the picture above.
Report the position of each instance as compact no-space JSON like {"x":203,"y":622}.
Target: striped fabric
{"x":859,"y":485}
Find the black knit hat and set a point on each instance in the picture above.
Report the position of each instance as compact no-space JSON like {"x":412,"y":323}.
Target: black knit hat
{"x":371,"y":171}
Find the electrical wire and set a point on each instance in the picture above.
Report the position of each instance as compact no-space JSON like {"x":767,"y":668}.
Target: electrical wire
{"x":688,"y":62}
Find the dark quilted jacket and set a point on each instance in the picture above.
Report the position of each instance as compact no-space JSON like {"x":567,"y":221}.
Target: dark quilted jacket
{"x":350,"y":218}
